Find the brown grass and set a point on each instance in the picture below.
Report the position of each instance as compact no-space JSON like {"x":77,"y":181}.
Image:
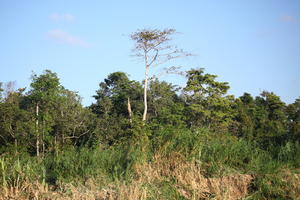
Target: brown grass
{"x":190,"y":183}
{"x":190,"y":180}
{"x":293,"y":180}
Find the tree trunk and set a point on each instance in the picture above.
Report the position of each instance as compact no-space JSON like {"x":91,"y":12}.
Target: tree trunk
{"x":129,"y":109}
{"x":146,"y":86}
{"x":145,"y":92}
{"x":37,"y":131}
{"x":43,"y":139}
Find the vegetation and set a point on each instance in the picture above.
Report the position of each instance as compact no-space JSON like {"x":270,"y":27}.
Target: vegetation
{"x":198,"y":142}
{"x":153,"y":48}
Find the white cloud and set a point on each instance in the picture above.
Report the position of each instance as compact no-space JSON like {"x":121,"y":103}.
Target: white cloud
{"x":62,"y":17}
{"x":66,"y":38}
{"x":288,"y":18}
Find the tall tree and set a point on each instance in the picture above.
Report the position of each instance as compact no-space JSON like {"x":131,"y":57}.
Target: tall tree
{"x":113,"y":94}
{"x":206,"y":101}
{"x":15,"y":123}
{"x":166,"y":107}
{"x":73,"y":123}
{"x":152,"y":45}
{"x":245,"y":118}
{"x":111,"y":105}
{"x":293,"y":114}
{"x":45,"y":89}
{"x":276,"y":109}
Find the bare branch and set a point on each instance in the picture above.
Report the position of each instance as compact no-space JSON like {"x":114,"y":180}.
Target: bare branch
{"x":154,"y":58}
{"x":168,"y":59}
{"x":152,"y":45}
{"x":74,"y":136}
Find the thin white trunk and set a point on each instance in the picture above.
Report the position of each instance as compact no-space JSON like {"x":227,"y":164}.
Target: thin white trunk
{"x":43,"y":138}
{"x":145,"y":92}
{"x":37,"y":131}
{"x":129,"y":109}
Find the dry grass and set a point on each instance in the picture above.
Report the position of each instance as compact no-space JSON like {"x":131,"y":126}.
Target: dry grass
{"x":293,"y":180}
{"x":189,"y":183}
{"x":190,"y":180}
{"x":26,"y":190}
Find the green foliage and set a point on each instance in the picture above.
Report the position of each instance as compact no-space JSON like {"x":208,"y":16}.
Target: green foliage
{"x":73,"y":165}
{"x":271,"y":186}
{"x":218,"y":155}
{"x":45,"y":87}
{"x":262,"y":119}
{"x":112,"y":97}
{"x":226,"y":154}
{"x":218,"y":133}
{"x":15,"y":126}
{"x":204,"y":85}
{"x":73,"y":124}
{"x":15,"y":171}
{"x":293,"y":115}
{"x":207,"y":106}
{"x":288,"y":153}
{"x":165,"y":107}
{"x":176,"y":139}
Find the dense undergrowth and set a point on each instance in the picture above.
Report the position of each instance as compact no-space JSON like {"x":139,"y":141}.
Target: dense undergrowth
{"x":156,"y":166}
{"x":197,"y":142}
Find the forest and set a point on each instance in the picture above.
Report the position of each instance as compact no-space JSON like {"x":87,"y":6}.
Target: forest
{"x":191,"y":142}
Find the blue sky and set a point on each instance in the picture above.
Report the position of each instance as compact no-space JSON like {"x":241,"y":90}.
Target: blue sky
{"x":254,"y":45}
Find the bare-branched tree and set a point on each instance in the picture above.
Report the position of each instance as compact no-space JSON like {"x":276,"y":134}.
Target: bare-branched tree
{"x":152,"y":45}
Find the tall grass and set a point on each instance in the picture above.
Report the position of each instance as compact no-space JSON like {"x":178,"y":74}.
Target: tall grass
{"x":215,"y":155}
{"x":218,"y":154}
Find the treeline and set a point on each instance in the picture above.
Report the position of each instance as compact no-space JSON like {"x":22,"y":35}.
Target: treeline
{"x":49,"y":117}
{"x":48,"y":141}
